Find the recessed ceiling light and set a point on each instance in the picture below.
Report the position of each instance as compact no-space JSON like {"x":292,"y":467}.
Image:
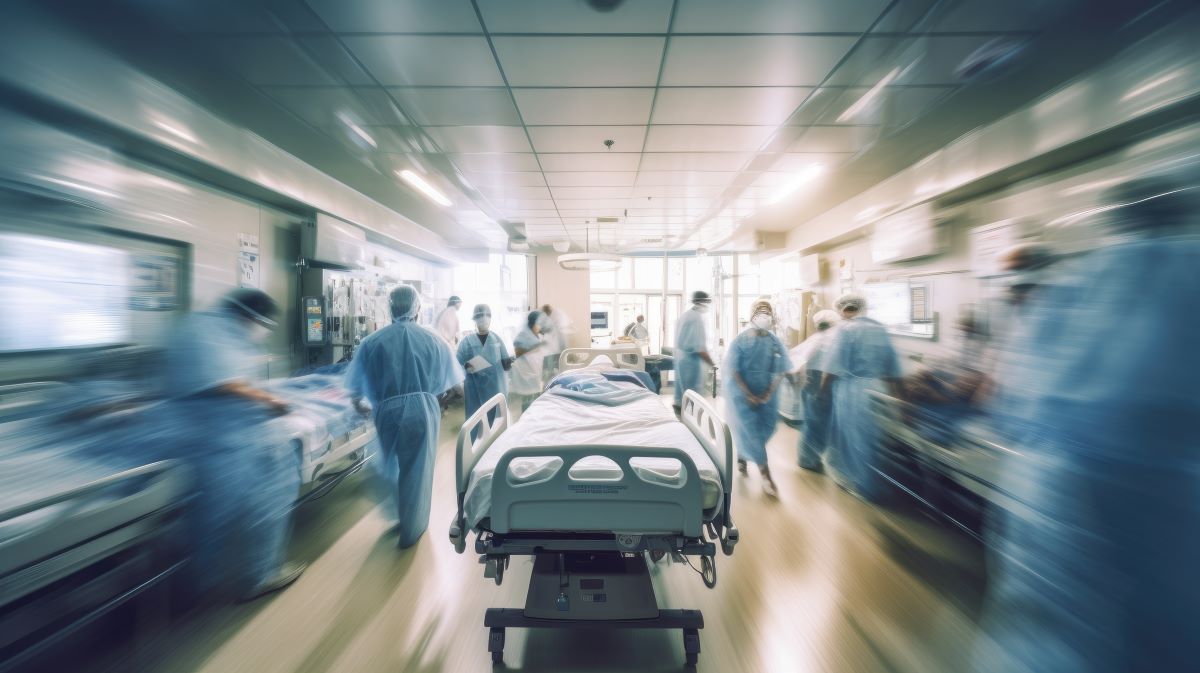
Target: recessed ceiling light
{"x":869,"y":97}
{"x":799,"y":179}
{"x":425,"y":188}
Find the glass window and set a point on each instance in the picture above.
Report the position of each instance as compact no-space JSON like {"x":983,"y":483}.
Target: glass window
{"x":603,"y":280}
{"x":647,"y":274}
{"x":675,"y":274}
{"x":748,"y":275}
{"x":625,"y":275}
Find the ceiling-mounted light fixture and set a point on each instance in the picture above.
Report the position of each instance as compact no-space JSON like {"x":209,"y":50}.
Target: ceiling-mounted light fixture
{"x":425,"y":188}
{"x":797,"y":180}
{"x":357,"y":130}
{"x":561,"y":246}
{"x":589,"y":261}
{"x":869,"y":97}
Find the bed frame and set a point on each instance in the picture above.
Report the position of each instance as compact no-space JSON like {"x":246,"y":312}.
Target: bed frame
{"x":626,"y":518}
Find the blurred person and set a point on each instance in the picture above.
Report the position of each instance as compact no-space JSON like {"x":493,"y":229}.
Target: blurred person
{"x":809,"y":359}
{"x":756,"y":362}
{"x":400,"y":370}
{"x":446,"y":323}
{"x":239,"y":523}
{"x":691,"y":348}
{"x":1095,"y":570}
{"x":483,"y":384}
{"x":636,"y":330}
{"x":860,"y":358}
{"x":555,"y":328}
{"x":528,"y":348}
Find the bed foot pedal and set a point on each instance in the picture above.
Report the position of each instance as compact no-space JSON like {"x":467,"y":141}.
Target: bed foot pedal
{"x":496,"y":644}
{"x":691,"y":646}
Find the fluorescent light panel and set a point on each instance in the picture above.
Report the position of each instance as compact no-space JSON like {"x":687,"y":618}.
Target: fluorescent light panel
{"x":425,"y":188}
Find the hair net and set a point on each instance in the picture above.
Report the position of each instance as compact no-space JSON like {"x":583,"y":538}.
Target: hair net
{"x":254,"y":305}
{"x":533,"y":318}
{"x":826,"y":317}
{"x":481,"y":310}
{"x":761,"y":306}
{"x":701,"y":297}
{"x":454,"y":299}
{"x":1026,"y":256}
{"x":852,"y":301}
{"x":405,"y":302}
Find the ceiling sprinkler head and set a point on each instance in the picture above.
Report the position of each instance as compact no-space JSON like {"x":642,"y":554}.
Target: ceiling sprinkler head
{"x":608,"y":143}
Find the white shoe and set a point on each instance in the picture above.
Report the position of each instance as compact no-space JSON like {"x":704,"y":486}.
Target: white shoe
{"x":289,"y":573}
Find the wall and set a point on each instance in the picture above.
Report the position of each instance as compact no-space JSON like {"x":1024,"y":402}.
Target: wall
{"x":564,"y":290}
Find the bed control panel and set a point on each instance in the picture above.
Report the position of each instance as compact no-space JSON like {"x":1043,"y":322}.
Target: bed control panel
{"x":590,"y":585}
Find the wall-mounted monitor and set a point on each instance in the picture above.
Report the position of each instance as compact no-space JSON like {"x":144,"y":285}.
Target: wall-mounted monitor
{"x":599,"y":319}
{"x":908,"y":234}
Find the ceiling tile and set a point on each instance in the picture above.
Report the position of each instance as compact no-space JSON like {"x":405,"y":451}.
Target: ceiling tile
{"x":770,"y":60}
{"x":331,"y":106}
{"x":514,"y":205}
{"x":519,"y":179}
{"x":798,"y":161}
{"x":454,"y":107}
{"x":409,"y":16}
{"x":473,"y":139}
{"x":572,"y":193}
{"x":548,"y":107}
{"x":695,"y":161}
{"x":891,"y":107}
{"x":584,"y":138}
{"x":423,"y":60}
{"x":494,"y":163}
{"x":776,"y":16}
{"x":834,"y":139}
{"x":591,"y":179}
{"x":580,"y":61}
{"x":728,"y":105}
{"x":590,"y":161}
{"x":706,"y":138}
{"x":684,"y":178}
{"x":557,"y":16}
{"x":991,"y":16}
{"x":933,"y":60}
{"x":513,"y":193}
{"x":672,"y":191}
{"x":609,"y":205}
{"x":542,"y":221}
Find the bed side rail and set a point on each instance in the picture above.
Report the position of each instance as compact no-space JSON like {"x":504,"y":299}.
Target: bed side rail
{"x":627,"y":504}
{"x":153,"y":469}
{"x":468,"y":452}
{"x":621,"y":358}
{"x":714,"y":436}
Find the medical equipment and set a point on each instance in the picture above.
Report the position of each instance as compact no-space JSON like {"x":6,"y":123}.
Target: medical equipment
{"x":588,"y":488}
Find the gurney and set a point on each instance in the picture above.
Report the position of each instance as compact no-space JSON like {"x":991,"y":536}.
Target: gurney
{"x":596,"y":476}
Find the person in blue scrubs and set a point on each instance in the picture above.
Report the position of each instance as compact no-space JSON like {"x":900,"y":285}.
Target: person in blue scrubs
{"x":483,"y":384}
{"x":238,"y":524}
{"x":861,"y":358}
{"x":814,"y":436}
{"x":400,"y":370}
{"x":1095,"y":568}
{"x":691,"y":348}
{"x":756,"y":362}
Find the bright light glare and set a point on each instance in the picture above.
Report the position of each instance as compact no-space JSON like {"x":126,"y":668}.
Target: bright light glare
{"x":869,"y":97}
{"x":798,"y":180}
{"x":425,"y":188}
{"x":358,"y":130}
{"x":176,"y":131}
{"x":1152,"y":84}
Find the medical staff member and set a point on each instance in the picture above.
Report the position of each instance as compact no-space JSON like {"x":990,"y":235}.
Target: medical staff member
{"x":756,"y":362}
{"x":1095,"y":568}
{"x":527,"y":369}
{"x":240,"y":518}
{"x":483,"y":384}
{"x":860,"y":359}
{"x":446,"y":323}
{"x":637,"y":331}
{"x":691,"y":348}
{"x":809,"y":359}
{"x":400,"y":370}
{"x":554,"y":327}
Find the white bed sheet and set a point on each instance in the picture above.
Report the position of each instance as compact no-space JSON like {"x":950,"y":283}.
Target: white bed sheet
{"x":554,"y":420}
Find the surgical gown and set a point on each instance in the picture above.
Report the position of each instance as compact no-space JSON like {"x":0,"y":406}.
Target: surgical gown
{"x":860,"y":356}
{"x":246,"y":476}
{"x":814,"y":436}
{"x":481,"y":386}
{"x":690,"y":341}
{"x":1095,"y":569}
{"x":401,"y":369}
{"x":527,"y":369}
{"x":759,"y":358}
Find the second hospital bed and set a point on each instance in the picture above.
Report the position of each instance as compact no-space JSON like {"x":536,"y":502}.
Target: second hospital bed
{"x":596,"y":475}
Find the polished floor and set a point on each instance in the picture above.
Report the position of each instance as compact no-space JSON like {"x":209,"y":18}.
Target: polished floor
{"x":820,"y":582}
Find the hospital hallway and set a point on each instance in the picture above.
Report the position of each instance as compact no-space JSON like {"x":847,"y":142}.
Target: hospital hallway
{"x":819,"y":582}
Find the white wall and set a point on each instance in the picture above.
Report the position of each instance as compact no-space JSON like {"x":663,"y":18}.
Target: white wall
{"x":568,"y":291}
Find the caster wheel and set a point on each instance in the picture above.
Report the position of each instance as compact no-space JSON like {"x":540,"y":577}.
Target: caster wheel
{"x":497,"y":657}
{"x":691,"y":658}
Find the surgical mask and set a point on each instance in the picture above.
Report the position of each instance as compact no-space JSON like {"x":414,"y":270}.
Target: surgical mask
{"x":483,"y":322}
{"x":762,"y":321}
{"x":701,"y":308}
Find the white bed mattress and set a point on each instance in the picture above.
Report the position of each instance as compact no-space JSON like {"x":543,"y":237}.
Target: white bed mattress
{"x":555,"y":420}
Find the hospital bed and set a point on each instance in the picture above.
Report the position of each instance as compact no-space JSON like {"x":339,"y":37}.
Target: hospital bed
{"x":80,"y":536}
{"x":590,"y":489}
{"x":952,"y":468}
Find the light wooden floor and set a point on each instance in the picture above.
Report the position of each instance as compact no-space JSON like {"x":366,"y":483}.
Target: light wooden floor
{"x":820,"y":582}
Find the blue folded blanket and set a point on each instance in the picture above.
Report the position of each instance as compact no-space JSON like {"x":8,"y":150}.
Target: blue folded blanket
{"x":599,"y":387}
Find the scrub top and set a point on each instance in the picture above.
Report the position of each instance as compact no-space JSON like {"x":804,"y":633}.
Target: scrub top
{"x":210,"y":349}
